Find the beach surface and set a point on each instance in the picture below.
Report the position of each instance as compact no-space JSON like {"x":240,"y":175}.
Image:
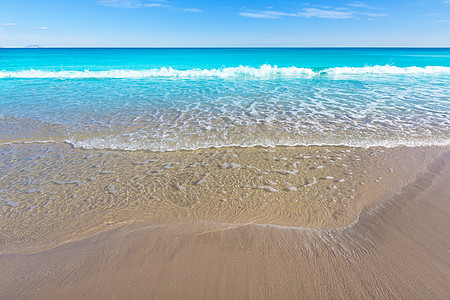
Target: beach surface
{"x":398,"y":248}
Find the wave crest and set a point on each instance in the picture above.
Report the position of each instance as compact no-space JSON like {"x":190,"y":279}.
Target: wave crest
{"x":241,"y":71}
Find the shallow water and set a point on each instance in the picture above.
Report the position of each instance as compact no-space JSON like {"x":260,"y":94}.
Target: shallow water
{"x":52,"y":193}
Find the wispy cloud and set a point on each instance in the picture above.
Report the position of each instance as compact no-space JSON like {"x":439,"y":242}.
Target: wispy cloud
{"x":311,"y":12}
{"x":325,"y":13}
{"x":40,"y":28}
{"x":142,"y":4}
{"x":446,"y":2}
{"x":156,"y":5}
{"x":161,"y":5}
{"x":360,"y":4}
{"x":258,"y":15}
{"x":443,"y":21}
{"x":9,"y":24}
{"x":120,"y":3}
{"x":375,"y":15}
{"x":193,"y":10}
{"x":267,"y":14}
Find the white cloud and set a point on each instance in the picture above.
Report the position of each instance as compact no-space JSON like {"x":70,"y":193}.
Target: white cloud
{"x":279,"y":13}
{"x":443,"y":21}
{"x":267,"y":14}
{"x":156,"y":5}
{"x":312,"y":12}
{"x":193,"y":10}
{"x":446,"y":2}
{"x":140,"y":4}
{"x":9,"y":24}
{"x":305,"y":13}
{"x":257,"y":15}
{"x":325,"y":14}
{"x":360,"y":4}
{"x":371,"y":14}
{"x":120,"y":3}
{"x":40,"y":28}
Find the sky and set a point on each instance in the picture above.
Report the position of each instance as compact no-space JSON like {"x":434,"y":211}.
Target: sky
{"x":224,"y":23}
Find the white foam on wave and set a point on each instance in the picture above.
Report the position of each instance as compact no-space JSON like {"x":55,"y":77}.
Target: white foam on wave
{"x":243,"y":71}
{"x":265,"y":70}
{"x":389,"y":70}
{"x":114,"y":145}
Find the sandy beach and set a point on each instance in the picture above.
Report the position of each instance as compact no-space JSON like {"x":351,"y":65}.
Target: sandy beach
{"x":163,"y":149}
{"x":224,"y":173}
{"x":397,"y":248}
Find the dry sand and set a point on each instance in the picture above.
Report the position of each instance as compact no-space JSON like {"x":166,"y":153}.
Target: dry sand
{"x":397,"y":249}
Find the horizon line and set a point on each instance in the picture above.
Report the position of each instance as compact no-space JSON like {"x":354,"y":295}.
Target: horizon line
{"x":223,"y":47}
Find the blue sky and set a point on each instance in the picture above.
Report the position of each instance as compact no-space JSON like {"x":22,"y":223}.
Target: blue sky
{"x":217,"y":23}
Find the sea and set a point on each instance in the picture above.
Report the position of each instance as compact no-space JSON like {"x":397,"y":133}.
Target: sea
{"x":172,"y":99}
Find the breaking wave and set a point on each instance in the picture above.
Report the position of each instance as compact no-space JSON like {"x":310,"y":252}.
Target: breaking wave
{"x":241,"y":71}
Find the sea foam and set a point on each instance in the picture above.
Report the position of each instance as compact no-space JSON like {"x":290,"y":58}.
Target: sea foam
{"x":241,"y":71}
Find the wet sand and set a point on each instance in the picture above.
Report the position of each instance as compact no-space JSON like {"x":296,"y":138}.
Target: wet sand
{"x":399,"y":248}
{"x":53,"y":193}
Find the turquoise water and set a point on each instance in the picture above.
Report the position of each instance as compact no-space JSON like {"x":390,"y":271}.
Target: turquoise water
{"x":168,"y":99}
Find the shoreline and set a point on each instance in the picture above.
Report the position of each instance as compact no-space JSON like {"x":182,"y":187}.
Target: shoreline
{"x":398,"y":248}
{"x":58,"y":193}
{"x":55,"y":193}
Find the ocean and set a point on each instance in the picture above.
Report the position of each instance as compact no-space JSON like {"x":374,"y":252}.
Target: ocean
{"x":173,"y":99}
